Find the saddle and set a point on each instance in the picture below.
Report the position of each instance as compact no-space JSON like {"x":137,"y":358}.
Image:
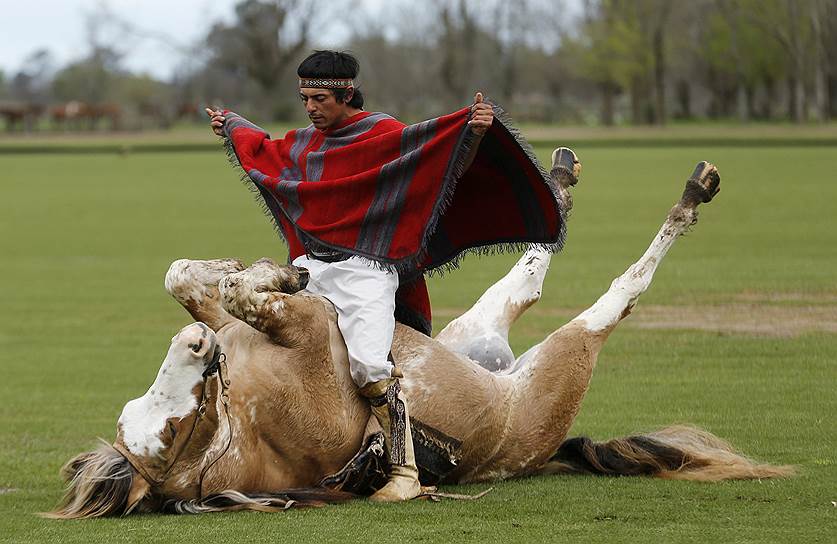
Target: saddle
{"x":365,"y":473}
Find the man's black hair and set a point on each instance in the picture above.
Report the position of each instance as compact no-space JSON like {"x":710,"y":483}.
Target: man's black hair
{"x":333,"y":65}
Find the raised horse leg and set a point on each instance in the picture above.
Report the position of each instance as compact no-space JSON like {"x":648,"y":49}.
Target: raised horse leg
{"x":482,"y":333}
{"x":194,"y":284}
{"x":266,"y":297}
{"x":550,"y":384}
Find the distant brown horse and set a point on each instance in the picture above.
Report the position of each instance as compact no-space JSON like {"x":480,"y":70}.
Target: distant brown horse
{"x":24,"y":116}
{"x":262,"y":429}
{"x":75,"y":115}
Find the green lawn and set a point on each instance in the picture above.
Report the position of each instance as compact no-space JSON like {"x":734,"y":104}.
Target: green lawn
{"x":197,"y":136}
{"x":85,"y":241}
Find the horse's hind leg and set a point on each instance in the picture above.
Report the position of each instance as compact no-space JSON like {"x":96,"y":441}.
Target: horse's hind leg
{"x":194,"y":284}
{"x":551,"y":383}
{"x":482,"y":333}
{"x":624,"y":291}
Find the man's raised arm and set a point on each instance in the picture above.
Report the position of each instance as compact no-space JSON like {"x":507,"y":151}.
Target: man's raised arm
{"x":482,"y":115}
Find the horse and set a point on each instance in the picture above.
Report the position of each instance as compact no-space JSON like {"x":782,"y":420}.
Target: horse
{"x":254,"y":408}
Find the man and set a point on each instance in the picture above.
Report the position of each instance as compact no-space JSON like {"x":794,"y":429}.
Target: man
{"x":361,"y":200}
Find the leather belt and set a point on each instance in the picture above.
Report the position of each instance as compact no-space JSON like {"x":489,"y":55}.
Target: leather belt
{"x":326,"y":256}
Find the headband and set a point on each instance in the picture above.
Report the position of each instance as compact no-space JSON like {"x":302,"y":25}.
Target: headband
{"x":324,"y":83}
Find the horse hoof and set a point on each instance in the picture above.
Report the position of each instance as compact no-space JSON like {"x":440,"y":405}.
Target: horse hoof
{"x":188,"y":280}
{"x":702,"y":186}
{"x":565,"y":167}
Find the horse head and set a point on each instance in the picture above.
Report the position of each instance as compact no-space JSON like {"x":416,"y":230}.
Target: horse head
{"x":164,"y":433}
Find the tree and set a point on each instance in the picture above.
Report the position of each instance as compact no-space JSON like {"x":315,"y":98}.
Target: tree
{"x":457,"y":44}
{"x":610,"y":44}
{"x":31,"y":84}
{"x":658,"y":13}
{"x":829,"y":58}
{"x":512,"y":22}
{"x":796,"y":26}
{"x":265,"y":38}
{"x":92,"y":79}
{"x":738,"y":58}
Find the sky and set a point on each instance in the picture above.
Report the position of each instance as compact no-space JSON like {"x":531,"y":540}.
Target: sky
{"x":59,"y":26}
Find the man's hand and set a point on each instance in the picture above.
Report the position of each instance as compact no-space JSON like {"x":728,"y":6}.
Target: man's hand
{"x":482,"y":115}
{"x":216,"y":121}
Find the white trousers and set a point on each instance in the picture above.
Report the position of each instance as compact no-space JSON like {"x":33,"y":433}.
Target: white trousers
{"x":364,"y":297}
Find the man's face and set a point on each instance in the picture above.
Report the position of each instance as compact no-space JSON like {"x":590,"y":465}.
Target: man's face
{"x":323,"y":108}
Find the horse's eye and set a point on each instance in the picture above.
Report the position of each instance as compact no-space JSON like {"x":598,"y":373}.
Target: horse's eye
{"x":196,"y":347}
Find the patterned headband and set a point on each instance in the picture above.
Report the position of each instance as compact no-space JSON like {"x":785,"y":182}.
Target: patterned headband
{"x":322,"y":83}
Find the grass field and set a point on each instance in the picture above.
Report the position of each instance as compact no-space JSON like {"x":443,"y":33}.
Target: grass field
{"x":737,"y":335}
{"x":195,"y":136}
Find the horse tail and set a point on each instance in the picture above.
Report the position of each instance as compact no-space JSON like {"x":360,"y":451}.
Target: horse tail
{"x":231,"y":501}
{"x":677,"y":452}
{"x":98,"y":484}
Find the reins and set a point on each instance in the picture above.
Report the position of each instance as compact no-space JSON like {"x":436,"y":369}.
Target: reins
{"x":218,"y":366}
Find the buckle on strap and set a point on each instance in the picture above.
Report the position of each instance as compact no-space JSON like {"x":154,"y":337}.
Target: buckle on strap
{"x":217,"y":358}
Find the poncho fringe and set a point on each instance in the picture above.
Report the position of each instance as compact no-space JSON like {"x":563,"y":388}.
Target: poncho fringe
{"x":417,"y":264}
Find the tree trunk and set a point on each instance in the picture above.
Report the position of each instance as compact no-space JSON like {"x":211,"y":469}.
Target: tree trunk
{"x":684,"y":99}
{"x":831,"y":101}
{"x":742,"y":99}
{"x":796,"y":82}
{"x":608,"y":95}
{"x":459,"y":48}
{"x":820,"y":63}
{"x":750,"y":102}
{"x":829,"y":59}
{"x":637,"y":95}
{"x":794,"y":100}
{"x":799,"y":97}
{"x":660,"y":116}
{"x":508,"y":81}
{"x":769,"y":98}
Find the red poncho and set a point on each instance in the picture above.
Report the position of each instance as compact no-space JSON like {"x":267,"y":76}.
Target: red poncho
{"x":398,"y":195}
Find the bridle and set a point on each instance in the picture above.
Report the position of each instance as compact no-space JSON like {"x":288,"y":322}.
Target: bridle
{"x":218,"y":366}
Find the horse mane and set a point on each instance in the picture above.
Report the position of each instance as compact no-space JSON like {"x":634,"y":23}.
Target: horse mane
{"x":98,"y":484}
{"x":231,"y":501}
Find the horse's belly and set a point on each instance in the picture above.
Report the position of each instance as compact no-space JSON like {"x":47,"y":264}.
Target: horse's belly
{"x":455,"y":396}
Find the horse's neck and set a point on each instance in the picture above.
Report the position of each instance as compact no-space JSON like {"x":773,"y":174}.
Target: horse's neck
{"x":292,"y":408}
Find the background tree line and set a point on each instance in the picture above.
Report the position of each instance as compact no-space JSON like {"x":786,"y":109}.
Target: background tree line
{"x":605,"y":61}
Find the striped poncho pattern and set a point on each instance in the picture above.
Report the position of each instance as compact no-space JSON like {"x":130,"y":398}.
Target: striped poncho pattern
{"x":399,"y":194}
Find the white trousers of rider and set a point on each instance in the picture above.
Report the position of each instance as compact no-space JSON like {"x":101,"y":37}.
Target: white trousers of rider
{"x":364,"y":297}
